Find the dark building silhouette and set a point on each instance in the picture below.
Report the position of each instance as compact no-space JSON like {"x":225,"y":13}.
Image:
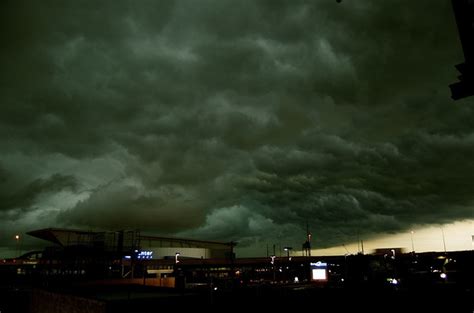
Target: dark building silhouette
{"x":79,"y":275}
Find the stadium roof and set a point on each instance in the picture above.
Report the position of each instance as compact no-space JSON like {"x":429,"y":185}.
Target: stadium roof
{"x":66,"y":237}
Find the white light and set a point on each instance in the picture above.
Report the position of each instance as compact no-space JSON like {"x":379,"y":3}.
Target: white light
{"x":443,"y":275}
{"x":215,"y":288}
{"x":297,"y":280}
{"x":342,"y":279}
{"x":394,"y":282}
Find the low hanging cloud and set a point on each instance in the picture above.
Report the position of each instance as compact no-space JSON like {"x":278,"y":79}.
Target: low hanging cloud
{"x":241,"y":121}
{"x":17,"y":201}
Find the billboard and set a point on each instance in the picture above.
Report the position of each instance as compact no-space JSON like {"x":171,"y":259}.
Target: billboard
{"x":319,"y":271}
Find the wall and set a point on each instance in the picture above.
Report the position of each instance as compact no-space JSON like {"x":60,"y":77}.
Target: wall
{"x":49,"y":302}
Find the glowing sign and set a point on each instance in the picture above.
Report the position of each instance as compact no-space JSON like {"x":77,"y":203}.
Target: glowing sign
{"x":145,"y":255}
{"x":319,"y":271}
{"x":319,"y":264}
{"x":318,"y":274}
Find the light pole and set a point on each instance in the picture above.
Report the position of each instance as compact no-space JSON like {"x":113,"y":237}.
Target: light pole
{"x":272,"y":258}
{"x":412,"y":244}
{"x":17,"y":238}
{"x":287,"y":249}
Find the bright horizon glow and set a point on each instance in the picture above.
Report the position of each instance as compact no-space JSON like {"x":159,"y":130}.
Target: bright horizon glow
{"x":458,"y":237}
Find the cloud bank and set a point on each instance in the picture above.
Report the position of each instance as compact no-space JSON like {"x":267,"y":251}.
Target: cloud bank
{"x":232,"y":120}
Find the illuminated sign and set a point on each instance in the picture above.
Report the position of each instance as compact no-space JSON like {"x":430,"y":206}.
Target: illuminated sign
{"x":145,"y":255}
{"x":318,"y":264}
{"x":319,"y":271}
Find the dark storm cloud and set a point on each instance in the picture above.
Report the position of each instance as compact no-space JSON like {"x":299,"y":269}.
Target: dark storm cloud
{"x":233,"y":119}
{"x":15,"y":199}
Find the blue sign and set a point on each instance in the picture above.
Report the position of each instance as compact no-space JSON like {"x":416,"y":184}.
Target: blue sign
{"x":144,"y":254}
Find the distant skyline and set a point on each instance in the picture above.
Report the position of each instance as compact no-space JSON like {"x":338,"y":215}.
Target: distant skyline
{"x":235,"y":120}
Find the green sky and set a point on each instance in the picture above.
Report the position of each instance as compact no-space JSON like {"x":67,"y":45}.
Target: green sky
{"x":232,"y":119}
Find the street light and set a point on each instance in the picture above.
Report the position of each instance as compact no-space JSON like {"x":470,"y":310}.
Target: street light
{"x":412,"y":244}
{"x":287,"y":249}
{"x":272,"y":258}
{"x":17,"y":238}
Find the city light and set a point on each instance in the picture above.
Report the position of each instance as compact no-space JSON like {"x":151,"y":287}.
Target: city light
{"x":272,"y":259}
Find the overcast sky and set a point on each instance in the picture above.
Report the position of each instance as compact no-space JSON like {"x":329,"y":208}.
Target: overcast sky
{"x":233,"y":120}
